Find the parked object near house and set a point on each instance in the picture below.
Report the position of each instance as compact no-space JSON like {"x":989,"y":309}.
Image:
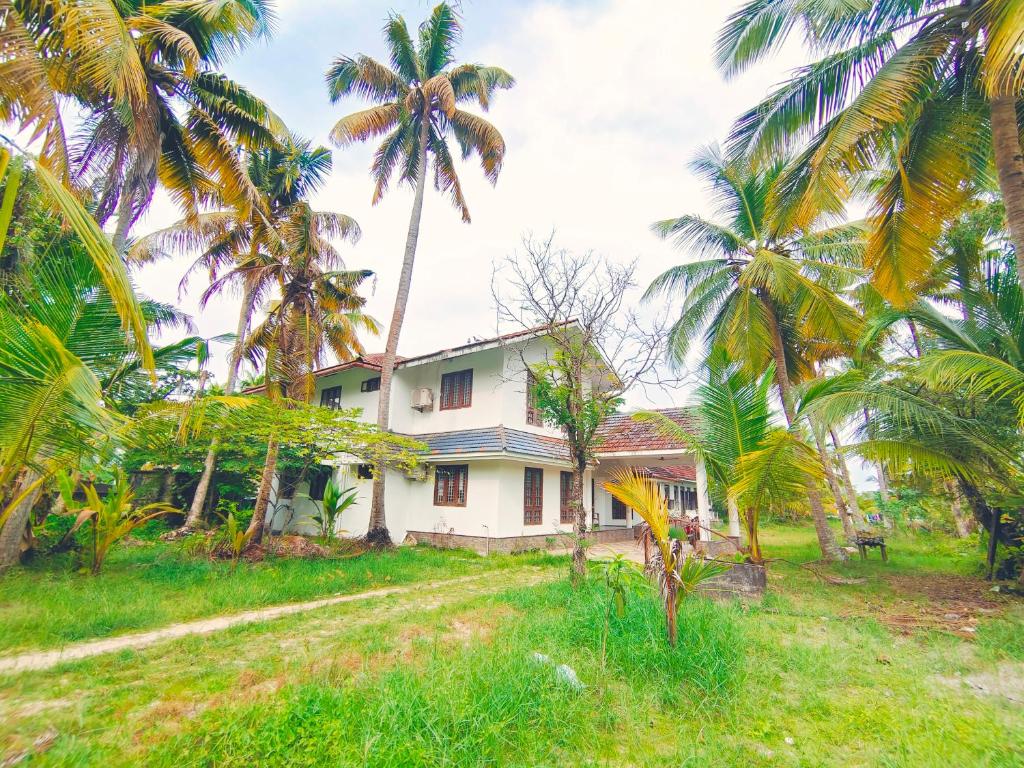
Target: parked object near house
{"x":494,"y":478}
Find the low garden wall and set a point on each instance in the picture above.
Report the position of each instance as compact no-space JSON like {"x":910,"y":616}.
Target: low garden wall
{"x":512,"y":544}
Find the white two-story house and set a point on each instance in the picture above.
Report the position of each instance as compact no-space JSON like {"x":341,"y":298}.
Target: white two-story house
{"x":497,"y":478}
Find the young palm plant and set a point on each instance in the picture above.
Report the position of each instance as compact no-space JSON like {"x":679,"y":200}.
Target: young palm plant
{"x":763,"y":289}
{"x":929,"y":90}
{"x":336,"y":500}
{"x":112,"y":517}
{"x":416,"y":111}
{"x":66,"y":366}
{"x":678,"y":575}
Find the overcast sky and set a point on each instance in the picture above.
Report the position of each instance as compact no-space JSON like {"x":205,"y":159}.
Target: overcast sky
{"x":612,"y":99}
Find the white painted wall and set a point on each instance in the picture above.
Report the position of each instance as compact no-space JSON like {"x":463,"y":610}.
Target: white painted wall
{"x":499,"y":391}
{"x":486,"y":407}
{"x":352,"y":397}
{"x":513,"y":405}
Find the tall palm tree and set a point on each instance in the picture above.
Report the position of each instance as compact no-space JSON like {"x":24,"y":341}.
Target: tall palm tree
{"x":286,"y":174}
{"x":416,"y":110}
{"x":49,"y":50}
{"x":930,"y":90}
{"x":958,"y":410}
{"x":318,"y":311}
{"x":185,"y":134}
{"x":762,"y":288}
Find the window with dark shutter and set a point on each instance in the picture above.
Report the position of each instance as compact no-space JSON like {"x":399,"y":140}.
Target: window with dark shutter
{"x":370,"y":385}
{"x":618,"y":509}
{"x":457,"y":390}
{"x":331,"y":398}
{"x":533,"y":496}
{"x":318,"y":479}
{"x":450,"y":482}
{"x":532,"y":413}
{"x":565,"y":507}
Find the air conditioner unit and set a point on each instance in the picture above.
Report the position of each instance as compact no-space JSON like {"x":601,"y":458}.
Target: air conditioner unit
{"x":422,"y":399}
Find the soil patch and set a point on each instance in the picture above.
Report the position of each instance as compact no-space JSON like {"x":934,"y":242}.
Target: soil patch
{"x":938,"y":602}
{"x":1007,"y":682}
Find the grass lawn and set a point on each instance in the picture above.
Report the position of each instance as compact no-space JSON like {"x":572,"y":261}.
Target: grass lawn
{"x":916,"y":665}
{"x":153,"y":583}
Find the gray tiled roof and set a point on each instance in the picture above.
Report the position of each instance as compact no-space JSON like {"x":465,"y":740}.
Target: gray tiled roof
{"x":494,"y":440}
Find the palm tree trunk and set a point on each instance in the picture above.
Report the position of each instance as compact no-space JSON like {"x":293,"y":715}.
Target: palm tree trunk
{"x":259,"y":515}
{"x":195,"y":512}
{"x":1010,"y":166}
{"x":13,"y":531}
{"x":830,"y":549}
{"x":964,"y":524}
{"x":883,"y":480}
{"x":124,"y":222}
{"x":851,"y":493}
{"x":377,"y":532}
{"x":833,"y":484}
{"x":750,"y":520}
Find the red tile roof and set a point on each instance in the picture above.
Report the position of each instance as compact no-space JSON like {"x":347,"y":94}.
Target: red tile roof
{"x":673,"y":474}
{"x":622,"y":433}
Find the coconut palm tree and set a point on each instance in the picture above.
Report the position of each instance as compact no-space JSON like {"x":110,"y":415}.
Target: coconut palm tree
{"x":762,"y":289}
{"x":955,"y":412}
{"x":286,"y":174}
{"x":69,"y":49}
{"x":751,"y":463}
{"x":186,"y":132}
{"x":416,"y":110}
{"x":930,"y":90}
{"x":65,"y":365}
{"x":319,"y":311}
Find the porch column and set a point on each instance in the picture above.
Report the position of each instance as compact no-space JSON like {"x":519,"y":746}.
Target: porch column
{"x":703,"y":502}
{"x":734,"y":520}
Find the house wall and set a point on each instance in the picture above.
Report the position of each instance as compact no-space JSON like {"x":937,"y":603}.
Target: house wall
{"x":484,"y":411}
{"x":513,"y":393}
{"x":351,"y":397}
{"x":499,"y":391}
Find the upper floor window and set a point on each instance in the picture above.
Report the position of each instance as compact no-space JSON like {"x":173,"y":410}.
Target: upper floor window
{"x":450,"y":483}
{"x":532,"y":412}
{"x":331,"y":397}
{"x":364,"y":472}
{"x":370,"y":385}
{"x":457,"y":389}
{"x":533,"y":496}
{"x":564,"y":505}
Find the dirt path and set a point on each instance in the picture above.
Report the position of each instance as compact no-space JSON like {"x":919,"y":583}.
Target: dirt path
{"x":39,"y":660}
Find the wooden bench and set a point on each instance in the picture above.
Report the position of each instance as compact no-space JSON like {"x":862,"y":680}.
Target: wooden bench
{"x":864,"y":541}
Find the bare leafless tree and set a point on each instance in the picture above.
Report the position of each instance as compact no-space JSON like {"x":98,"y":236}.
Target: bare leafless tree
{"x":599,"y":346}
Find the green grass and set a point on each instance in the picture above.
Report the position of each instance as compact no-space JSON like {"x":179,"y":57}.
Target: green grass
{"x":153,"y":584}
{"x":810,"y":676}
